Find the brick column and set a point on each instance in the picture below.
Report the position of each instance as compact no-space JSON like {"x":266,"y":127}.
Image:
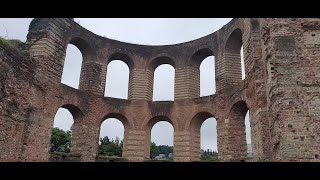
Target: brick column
{"x":140,"y":84}
{"x":46,"y":36}
{"x":232,"y":140}
{"x":260,"y":135}
{"x":85,"y":139}
{"x":37,"y":136}
{"x":187,"y":83}
{"x":135,"y":147}
{"x":93,"y":75}
{"x":222,"y":140}
{"x":182,"y":146}
{"x":228,"y":70}
{"x":237,"y":145}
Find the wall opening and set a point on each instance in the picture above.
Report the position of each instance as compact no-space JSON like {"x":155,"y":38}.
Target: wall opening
{"x":239,"y":127}
{"x":111,"y":138}
{"x":248,"y":136}
{"x":243,"y":69}
{"x":72,"y":67}
{"x":161,"y":147}
{"x":117,"y":80}
{"x":209,"y":140}
{"x":163,"y":86}
{"x":61,"y":134}
{"x":207,"y":76}
{"x":233,"y":57}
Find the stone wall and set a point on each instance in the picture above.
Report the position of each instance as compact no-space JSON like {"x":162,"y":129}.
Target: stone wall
{"x":281,"y":91}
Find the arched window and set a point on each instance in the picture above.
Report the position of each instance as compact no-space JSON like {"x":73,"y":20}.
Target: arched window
{"x":163,"y":86}
{"x":204,"y":146}
{"x":62,"y":132}
{"x":72,"y":67}
{"x":239,"y":126}
{"x":233,"y":57}
{"x":243,"y":70}
{"x":248,"y":136}
{"x":208,"y":140}
{"x":162,"y":141}
{"x":117,"y":80}
{"x":111,"y":138}
{"x":207,"y":76}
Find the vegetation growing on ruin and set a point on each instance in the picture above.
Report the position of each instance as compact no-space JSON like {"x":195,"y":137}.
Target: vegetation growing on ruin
{"x":15,"y":46}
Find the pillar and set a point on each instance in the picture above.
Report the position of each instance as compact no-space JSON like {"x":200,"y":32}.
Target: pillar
{"x":140,"y":84}
{"x":187,"y":83}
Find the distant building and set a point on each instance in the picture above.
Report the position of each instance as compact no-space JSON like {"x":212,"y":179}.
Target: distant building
{"x":249,"y":151}
{"x":170,"y":155}
{"x":161,"y":157}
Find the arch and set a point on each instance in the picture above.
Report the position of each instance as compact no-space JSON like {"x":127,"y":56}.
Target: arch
{"x":207,"y":76}
{"x":200,"y":55}
{"x":107,"y":141}
{"x":74,"y":110}
{"x":198,"y":119}
{"x":81,"y":44}
{"x":151,"y":123}
{"x":195,"y":129}
{"x":236,"y":127}
{"x":62,"y":139}
{"x":122,"y":57}
{"x":160,"y":61}
{"x":234,"y":42}
{"x":72,"y":66}
{"x":233,"y":58}
{"x":126,"y":123}
{"x":157,"y":119}
{"x":163,"y":83}
{"x":117,"y":87}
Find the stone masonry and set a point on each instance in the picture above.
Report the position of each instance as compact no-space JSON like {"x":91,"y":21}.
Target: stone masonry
{"x":281,"y":91}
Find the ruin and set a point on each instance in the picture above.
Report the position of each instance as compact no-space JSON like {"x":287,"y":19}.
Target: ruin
{"x":281,"y":91}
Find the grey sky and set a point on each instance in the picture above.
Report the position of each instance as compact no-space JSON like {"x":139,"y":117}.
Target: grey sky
{"x":146,"y":31}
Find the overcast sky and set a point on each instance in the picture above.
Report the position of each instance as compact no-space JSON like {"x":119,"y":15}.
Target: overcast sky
{"x":148,"y":31}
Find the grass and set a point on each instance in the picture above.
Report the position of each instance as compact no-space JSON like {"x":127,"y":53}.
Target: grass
{"x":15,"y":46}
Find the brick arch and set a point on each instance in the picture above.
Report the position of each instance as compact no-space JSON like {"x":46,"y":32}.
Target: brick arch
{"x":154,"y":120}
{"x":122,"y":57}
{"x":126,"y":123}
{"x":236,"y":128}
{"x":82,"y":44}
{"x":195,"y":134}
{"x":75,"y":111}
{"x":234,"y":41}
{"x":200,"y":55}
{"x":158,"y":61}
{"x":239,"y":107}
{"x":198,"y":119}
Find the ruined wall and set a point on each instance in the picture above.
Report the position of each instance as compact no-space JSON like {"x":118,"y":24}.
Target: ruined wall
{"x":280,"y":91}
{"x":291,"y":52}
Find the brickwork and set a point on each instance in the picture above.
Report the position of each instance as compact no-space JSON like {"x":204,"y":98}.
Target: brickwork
{"x":281,"y":91}
{"x":187,"y":83}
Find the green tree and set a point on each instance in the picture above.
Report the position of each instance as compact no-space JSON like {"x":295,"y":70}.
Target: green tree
{"x":110,"y":148}
{"x":209,"y":155}
{"x":154,"y":150}
{"x":60,"y":140}
{"x":105,"y":140}
{"x":165,"y":149}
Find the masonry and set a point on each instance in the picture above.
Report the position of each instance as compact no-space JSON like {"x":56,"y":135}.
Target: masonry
{"x":281,"y":91}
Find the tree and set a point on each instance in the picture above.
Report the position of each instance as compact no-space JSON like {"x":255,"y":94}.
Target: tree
{"x":209,"y":155}
{"x":104,"y":141}
{"x":165,"y":149}
{"x":110,"y":148}
{"x":154,"y":150}
{"x":60,"y":140}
